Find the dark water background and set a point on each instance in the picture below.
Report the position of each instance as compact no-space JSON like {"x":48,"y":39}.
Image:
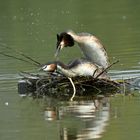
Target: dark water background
{"x":31,"y":27}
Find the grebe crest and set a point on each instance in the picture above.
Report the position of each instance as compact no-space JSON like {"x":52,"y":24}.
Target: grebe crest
{"x":63,"y":40}
{"x":90,"y":45}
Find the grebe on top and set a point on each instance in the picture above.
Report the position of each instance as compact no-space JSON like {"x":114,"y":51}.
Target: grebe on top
{"x":90,"y":45}
{"x":78,"y":67}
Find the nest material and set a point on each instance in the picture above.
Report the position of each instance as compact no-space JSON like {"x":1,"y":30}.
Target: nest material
{"x":56,"y":85}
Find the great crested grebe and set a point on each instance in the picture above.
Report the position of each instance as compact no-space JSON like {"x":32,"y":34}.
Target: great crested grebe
{"x":78,"y":67}
{"x":90,"y":45}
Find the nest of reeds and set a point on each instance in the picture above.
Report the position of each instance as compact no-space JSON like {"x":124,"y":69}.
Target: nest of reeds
{"x":59,"y":86}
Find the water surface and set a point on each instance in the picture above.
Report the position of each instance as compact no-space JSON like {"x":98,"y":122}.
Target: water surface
{"x":31,"y":27}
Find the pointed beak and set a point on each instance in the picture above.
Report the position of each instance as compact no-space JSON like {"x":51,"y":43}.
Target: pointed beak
{"x":42,"y":68}
{"x":58,"y":49}
{"x":60,"y":46}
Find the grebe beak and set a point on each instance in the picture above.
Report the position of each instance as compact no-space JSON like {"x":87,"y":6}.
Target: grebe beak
{"x":47,"y":68}
{"x":57,"y":51}
{"x":43,"y":68}
{"x":60,"y":46}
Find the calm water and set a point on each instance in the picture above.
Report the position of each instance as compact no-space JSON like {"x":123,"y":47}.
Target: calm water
{"x":31,"y":27}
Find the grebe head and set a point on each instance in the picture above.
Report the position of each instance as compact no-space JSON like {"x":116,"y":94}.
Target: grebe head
{"x":52,"y":66}
{"x":63,"y":40}
{"x":49,"y":67}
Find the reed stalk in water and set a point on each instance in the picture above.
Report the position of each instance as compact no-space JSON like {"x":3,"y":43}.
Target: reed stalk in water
{"x":30,"y":60}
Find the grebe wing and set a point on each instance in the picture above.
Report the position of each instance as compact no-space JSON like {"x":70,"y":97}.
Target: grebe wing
{"x":79,"y":61}
{"x":84,"y":34}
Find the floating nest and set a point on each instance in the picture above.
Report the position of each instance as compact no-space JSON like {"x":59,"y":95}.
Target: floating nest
{"x":58,"y":86}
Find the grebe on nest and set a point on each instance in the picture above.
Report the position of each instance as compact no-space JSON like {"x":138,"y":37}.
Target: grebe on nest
{"x":90,"y":45}
{"x":78,"y":67}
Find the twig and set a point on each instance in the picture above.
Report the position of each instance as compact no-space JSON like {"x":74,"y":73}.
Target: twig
{"x":28,"y":57}
{"x":21,"y":53}
{"x":106,"y":69}
{"x":99,"y":91}
{"x":111,"y":83}
{"x":74,"y":89}
{"x":94,"y":72}
{"x":17,"y":58}
{"x":29,"y":75}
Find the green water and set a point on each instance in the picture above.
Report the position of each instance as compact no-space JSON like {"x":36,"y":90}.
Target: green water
{"x":31,"y":27}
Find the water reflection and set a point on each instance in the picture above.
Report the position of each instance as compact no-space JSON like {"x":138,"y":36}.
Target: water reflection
{"x":80,"y":120}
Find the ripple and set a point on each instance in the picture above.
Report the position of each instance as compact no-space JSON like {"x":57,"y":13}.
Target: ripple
{"x":127,"y":74}
{"x":5,"y":77}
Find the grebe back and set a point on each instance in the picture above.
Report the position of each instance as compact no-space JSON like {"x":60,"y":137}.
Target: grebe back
{"x":78,"y":67}
{"x":90,"y":45}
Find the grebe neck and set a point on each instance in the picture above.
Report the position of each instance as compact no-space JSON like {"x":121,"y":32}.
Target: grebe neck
{"x":73,"y":35}
{"x":64,"y":69}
